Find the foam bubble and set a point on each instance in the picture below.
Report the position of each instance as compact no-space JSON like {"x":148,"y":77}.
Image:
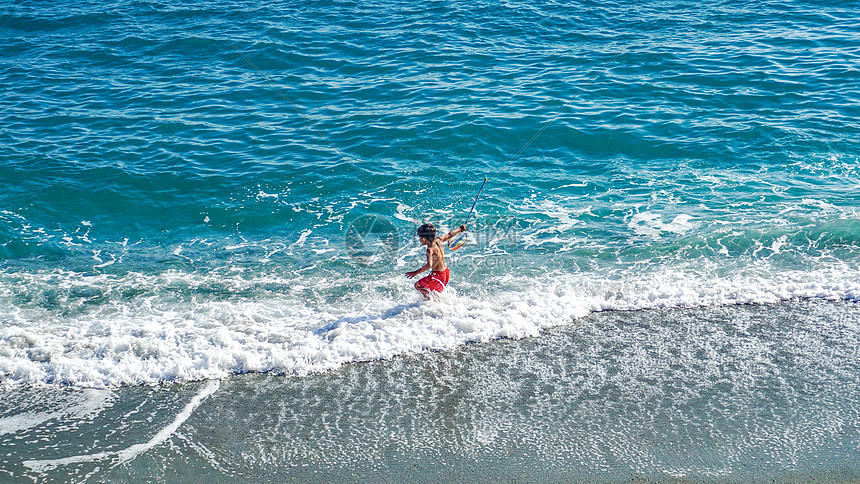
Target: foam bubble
{"x":651,"y":225}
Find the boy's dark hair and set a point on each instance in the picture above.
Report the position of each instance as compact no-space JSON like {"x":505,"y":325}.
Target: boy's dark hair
{"x":427,"y":231}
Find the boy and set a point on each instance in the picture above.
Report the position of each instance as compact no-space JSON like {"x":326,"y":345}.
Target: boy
{"x":439,"y":274}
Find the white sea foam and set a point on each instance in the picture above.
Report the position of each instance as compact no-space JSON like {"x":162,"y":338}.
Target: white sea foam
{"x":311,"y":324}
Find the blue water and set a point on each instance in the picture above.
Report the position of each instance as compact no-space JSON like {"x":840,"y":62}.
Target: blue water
{"x":198,"y":190}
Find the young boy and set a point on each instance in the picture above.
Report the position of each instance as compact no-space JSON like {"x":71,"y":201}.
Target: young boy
{"x":439,"y":274}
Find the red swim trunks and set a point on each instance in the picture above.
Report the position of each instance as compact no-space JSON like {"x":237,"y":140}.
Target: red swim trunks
{"x":436,"y":281}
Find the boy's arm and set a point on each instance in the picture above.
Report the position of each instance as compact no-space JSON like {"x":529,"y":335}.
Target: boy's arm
{"x":423,"y":268}
{"x":452,"y":233}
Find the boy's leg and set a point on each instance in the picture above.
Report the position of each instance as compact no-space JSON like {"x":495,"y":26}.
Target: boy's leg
{"x":423,"y":290}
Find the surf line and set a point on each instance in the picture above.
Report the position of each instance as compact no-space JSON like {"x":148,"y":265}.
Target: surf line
{"x":130,"y":453}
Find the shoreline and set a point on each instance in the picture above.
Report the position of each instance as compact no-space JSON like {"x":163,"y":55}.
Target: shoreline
{"x":574,"y":404}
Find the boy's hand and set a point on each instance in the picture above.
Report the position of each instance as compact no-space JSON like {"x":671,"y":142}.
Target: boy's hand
{"x":411,"y":274}
{"x":463,"y":228}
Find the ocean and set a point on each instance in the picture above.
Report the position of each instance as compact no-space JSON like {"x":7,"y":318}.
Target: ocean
{"x":208,"y":209}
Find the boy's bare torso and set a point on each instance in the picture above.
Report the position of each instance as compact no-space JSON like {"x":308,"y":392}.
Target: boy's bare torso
{"x":435,"y":260}
{"x":436,"y":256}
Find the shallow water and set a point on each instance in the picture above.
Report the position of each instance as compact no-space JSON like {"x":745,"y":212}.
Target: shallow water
{"x":731,"y":394}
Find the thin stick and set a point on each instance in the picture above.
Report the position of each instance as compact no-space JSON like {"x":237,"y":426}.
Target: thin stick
{"x":476,"y":201}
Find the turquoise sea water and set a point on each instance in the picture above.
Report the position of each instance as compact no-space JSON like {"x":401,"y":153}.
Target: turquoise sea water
{"x":199,"y":190}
